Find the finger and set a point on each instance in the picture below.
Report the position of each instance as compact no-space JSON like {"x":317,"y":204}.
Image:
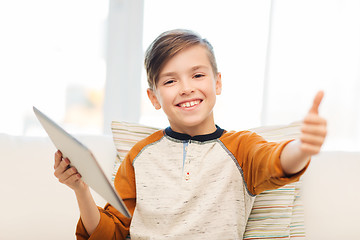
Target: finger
{"x":314,"y":130}
{"x":314,"y":119}
{"x":64,"y":164}
{"x":58,"y":156}
{"x":316,"y":103}
{"x":67,"y":174}
{"x":311,"y":139}
{"x":70,"y":181}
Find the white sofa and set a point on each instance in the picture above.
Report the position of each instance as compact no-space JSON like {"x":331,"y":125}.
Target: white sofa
{"x":36,"y":206}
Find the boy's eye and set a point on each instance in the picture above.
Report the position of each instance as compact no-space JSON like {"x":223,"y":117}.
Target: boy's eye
{"x":198,"y":75}
{"x":168,"y":82}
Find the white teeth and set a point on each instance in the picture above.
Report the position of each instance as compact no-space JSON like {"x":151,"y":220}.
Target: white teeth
{"x":190,"y":104}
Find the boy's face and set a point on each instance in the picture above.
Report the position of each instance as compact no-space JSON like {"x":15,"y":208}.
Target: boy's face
{"x":186,"y":91}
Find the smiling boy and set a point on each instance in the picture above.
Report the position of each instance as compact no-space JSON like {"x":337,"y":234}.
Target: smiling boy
{"x":192,"y":180}
{"x":186,"y":90}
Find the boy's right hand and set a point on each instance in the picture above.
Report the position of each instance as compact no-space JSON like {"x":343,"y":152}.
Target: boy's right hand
{"x":68,"y":175}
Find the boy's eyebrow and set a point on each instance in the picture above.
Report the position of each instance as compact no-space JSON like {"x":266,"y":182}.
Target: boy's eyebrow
{"x":198,"y":67}
{"x":168,"y":74}
{"x":171,"y":74}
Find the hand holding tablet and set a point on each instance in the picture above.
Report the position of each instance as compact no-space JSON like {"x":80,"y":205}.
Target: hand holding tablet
{"x":83,"y":161}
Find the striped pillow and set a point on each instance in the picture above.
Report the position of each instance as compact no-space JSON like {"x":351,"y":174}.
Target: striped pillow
{"x":276,"y":214}
{"x":279,"y":213}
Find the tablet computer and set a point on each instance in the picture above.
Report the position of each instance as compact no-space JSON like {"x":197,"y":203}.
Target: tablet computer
{"x":83,"y":160}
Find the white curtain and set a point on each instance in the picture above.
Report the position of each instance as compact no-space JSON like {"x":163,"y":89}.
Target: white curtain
{"x":124,"y":62}
{"x":316,"y":45}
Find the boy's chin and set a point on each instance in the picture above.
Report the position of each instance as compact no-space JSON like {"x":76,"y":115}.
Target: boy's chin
{"x":194,"y":127}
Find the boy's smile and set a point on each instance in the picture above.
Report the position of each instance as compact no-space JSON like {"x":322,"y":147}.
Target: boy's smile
{"x":189,"y":104}
{"x":186,"y":90}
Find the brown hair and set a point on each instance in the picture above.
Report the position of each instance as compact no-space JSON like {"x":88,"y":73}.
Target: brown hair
{"x":166,"y":46}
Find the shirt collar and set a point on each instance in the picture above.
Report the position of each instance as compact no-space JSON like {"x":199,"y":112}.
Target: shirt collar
{"x":200,"y":138}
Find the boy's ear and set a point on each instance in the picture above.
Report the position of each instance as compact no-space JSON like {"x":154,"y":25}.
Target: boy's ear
{"x":218,"y":84}
{"x":153,"y":99}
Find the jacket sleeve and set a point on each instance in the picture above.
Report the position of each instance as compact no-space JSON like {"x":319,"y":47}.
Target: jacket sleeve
{"x":114,"y":225}
{"x":259,"y":161}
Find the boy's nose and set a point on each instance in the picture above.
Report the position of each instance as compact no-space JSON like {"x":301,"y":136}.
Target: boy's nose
{"x":186,"y":88}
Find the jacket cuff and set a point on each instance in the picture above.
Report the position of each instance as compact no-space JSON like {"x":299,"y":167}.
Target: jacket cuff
{"x":104,"y":230}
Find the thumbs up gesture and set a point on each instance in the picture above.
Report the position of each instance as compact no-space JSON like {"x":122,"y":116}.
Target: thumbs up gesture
{"x":313,"y":131}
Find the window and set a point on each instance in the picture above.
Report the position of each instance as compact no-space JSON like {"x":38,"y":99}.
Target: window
{"x":52,"y":56}
{"x":273,"y":56}
{"x":319,"y":51}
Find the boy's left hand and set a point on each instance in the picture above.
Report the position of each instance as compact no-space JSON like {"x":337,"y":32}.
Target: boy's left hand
{"x":313,"y":131}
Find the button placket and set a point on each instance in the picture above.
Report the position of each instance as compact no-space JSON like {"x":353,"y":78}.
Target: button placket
{"x":187,"y":162}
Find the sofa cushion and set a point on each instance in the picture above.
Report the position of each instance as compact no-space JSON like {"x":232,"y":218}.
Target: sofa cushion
{"x":276,"y":214}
